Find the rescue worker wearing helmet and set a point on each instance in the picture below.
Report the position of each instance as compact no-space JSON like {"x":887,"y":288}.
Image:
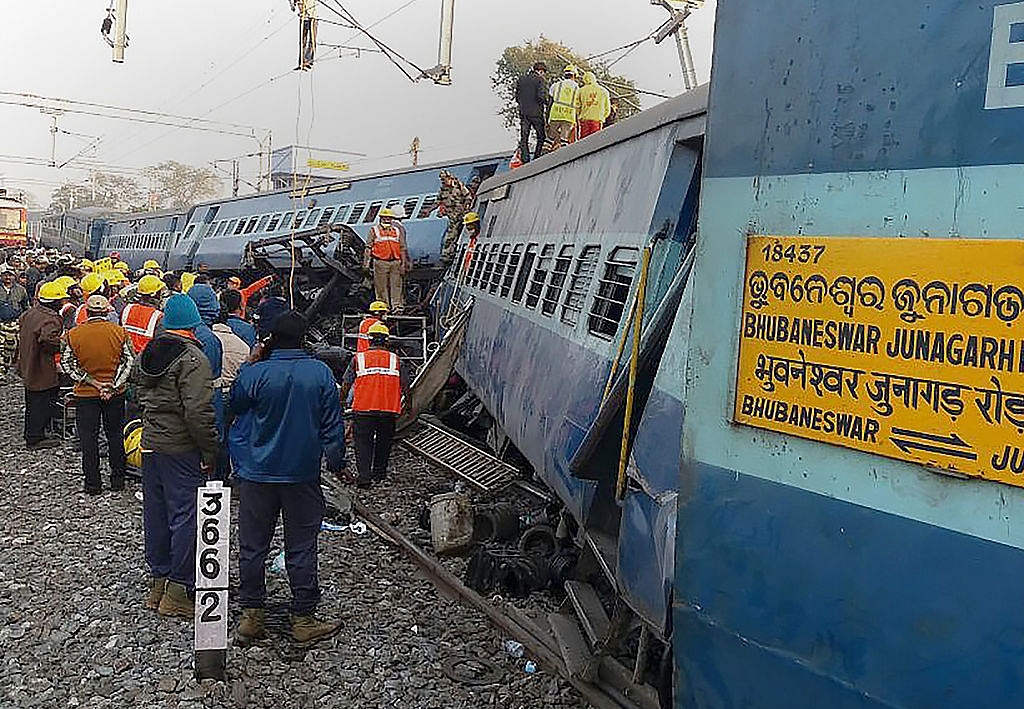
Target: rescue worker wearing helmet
{"x":142,"y":318}
{"x":93,"y":284}
{"x":562,"y":116}
{"x":151,"y":268}
{"x":387,"y":258}
{"x":378,"y":385}
{"x":471,"y":223}
{"x":378,"y":313}
{"x":594,"y":105}
{"x":39,"y":339}
{"x":116,"y":282}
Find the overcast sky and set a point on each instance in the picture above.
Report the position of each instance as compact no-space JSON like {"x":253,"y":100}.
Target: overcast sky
{"x":203,"y":58}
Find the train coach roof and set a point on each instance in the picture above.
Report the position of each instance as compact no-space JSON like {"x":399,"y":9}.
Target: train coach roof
{"x":137,"y":216}
{"x":692,"y":103}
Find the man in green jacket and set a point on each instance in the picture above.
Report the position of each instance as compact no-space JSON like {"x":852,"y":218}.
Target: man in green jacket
{"x":174,"y":386}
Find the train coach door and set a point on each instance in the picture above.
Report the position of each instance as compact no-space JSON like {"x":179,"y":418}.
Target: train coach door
{"x":199,"y":235}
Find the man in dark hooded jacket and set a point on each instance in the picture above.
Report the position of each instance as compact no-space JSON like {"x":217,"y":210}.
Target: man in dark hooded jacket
{"x":174,"y":387}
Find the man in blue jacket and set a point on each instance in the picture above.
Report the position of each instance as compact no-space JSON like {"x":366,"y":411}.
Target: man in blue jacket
{"x":209,"y":311}
{"x":288,"y":419}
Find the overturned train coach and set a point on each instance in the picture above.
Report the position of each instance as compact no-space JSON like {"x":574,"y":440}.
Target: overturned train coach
{"x":810,"y":519}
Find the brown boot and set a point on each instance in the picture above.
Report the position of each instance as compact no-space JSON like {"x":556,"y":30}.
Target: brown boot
{"x":307,"y":629}
{"x":156,"y":593}
{"x":251,"y":627}
{"x":176,"y":603}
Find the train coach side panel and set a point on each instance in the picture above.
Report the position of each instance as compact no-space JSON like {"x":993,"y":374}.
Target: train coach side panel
{"x":810,"y":574}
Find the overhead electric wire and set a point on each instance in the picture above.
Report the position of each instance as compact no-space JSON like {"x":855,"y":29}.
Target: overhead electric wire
{"x":392,"y":55}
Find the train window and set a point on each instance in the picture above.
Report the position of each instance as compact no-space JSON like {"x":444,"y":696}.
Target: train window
{"x":499,"y":269}
{"x":300,"y":216}
{"x":477,"y":265}
{"x":339,"y":218}
{"x":312,"y":219}
{"x":428,"y":206}
{"x":251,"y":226}
{"x":485,"y":275}
{"x":579,"y":284}
{"x":239,"y":228}
{"x":410,"y":206}
{"x":612,"y":292}
{"x":458,"y":263}
{"x":275,"y":220}
{"x":510,"y":272}
{"x":357,"y":212}
{"x":540,"y":275}
{"x":372,"y":212}
{"x":187,"y":234}
{"x":230,"y":227}
{"x":524,"y":273}
{"x":263,"y":222}
{"x":553,"y":293}
{"x":325,"y":218}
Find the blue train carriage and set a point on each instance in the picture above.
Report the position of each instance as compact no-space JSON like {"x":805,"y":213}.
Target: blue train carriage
{"x":76,"y":231}
{"x":217,"y":232}
{"x":851,"y":518}
{"x":553,"y":281}
{"x":138,"y":238}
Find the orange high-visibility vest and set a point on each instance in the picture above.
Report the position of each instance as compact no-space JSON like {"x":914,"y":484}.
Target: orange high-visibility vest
{"x":140,"y":322}
{"x":363,"y":338}
{"x":386,"y":244}
{"x":378,"y":385}
{"x":81,"y":314}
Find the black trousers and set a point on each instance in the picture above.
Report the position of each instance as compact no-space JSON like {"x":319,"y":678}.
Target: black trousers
{"x":373,"y":435}
{"x":40,"y":408}
{"x":90,"y":413}
{"x":302,"y":507}
{"x":525,"y":124}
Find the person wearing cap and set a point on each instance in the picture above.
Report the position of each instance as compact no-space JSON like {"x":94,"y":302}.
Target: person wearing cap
{"x":39,"y":332}
{"x":378,"y":313}
{"x":116,"y":281}
{"x":13,"y":302}
{"x":151,"y":268}
{"x":235,"y":284}
{"x":562,"y":115}
{"x":378,"y":385}
{"x":231,"y":308}
{"x":98,"y":357}
{"x":272,"y":306}
{"x":209,"y":312}
{"x":34,"y":273}
{"x":174,"y":387}
{"x":387,"y":258}
{"x":288,"y":421}
{"x":93,"y":284}
{"x":142,"y":318}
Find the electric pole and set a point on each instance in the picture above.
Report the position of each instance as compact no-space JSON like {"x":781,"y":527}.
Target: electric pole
{"x":679,"y":10}
{"x":120,"y":31}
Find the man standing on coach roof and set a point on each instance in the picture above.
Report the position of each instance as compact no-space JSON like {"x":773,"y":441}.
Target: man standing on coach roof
{"x":532,"y":98}
{"x":38,"y":342}
{"x":288,"y":420}
{"x":98,"y":357}
{"x":387,"y":258}
{"x":174,"y":386}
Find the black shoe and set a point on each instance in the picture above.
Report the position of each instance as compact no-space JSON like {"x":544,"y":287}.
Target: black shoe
{"x":116,"y":484}
{"x":43,"y":444}
{"x":93,"y":491}
{"x":364,"y":484}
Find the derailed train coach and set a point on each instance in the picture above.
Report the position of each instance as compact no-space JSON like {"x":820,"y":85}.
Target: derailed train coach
{"x":574,"y":249}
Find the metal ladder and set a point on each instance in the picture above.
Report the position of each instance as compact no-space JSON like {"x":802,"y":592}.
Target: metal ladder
{"x":477,"y":467}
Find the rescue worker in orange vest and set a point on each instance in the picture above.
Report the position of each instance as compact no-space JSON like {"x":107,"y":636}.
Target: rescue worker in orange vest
{"x":379,"y":386}
{"x":388,"y":259}
{"x":142,"y":318}
{"x":378,"y":314}
{"x":235,"y":283}
{"x":93,"y":284}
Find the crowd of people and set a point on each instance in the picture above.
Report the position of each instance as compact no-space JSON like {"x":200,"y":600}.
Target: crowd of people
{"x":572,"y":107}
{"x":215,"y":381}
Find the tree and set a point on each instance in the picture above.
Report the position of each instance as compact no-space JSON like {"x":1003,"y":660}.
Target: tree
{"x":178,"y":186}
{"x":518,"y":60}
{"x":117,"y":193}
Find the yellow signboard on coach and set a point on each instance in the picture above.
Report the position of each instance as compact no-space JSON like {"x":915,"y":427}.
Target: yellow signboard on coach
{"x":908,"y":348}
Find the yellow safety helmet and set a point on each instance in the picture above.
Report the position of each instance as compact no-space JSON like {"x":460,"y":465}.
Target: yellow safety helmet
{"x":123,"y":267}
{"x":187,"y":281}
{"x":571,"y":70}
{"x":471,"y":218}
{"x":91,"y":283}
{"x":133,"y":443}
{"x":66,"y":281}
{"x":386,"y":212}
{"x":379,"y":329}
{"x":151,"y":264}
{"x":86,"y":265}
{"x":150,"y":285}
{"x":378,"y":306}
{"x":52,"y":291}
{"x":114,"y":277}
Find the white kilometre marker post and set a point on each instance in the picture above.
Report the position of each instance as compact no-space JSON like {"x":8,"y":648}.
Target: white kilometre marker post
{"x":213,"y":525}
